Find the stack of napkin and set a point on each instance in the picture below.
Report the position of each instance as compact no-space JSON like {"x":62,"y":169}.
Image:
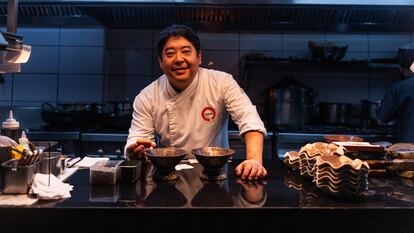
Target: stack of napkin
{"x":48,"y":190}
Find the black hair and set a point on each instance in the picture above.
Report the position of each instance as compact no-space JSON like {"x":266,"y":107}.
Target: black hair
{"x":177,"y":30}
{"x":405,"y":58}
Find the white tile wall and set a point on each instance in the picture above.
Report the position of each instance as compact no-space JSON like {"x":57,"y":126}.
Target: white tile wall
{"x":219,"y":41}
{"x":128,"y":62}
{"x":81,"y":60}
{"x":261,"y":42}
{"x":80,"y":88}
{"x":131,"y":39}
{"x":120,"y":88}
{"x":40,"y":36}
{"x":156,"y":70}
{"x":34,"y":87}
{"x":388,"y":42}
{"x":86,"y":36}
{"x":43,"y":59}
{"x":344,"y":90}
{"x":227,"y":61}
{"x":6,"y":89}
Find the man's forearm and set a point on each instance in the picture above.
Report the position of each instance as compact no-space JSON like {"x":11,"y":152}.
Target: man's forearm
{"x":254,"y":145}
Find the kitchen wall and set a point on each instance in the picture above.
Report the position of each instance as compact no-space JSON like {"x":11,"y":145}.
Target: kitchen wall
{"x":94,"y":64}
{"x":66,"y":65}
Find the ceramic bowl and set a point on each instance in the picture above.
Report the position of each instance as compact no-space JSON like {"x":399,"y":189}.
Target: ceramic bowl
{"x":166,"y":158}
{"x":212,"y":157}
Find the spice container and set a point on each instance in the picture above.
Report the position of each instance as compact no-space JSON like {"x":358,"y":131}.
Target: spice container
{"x":105,"y":172}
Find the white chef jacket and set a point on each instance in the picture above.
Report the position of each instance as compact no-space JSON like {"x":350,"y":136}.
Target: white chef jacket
{"x":195,"y":117}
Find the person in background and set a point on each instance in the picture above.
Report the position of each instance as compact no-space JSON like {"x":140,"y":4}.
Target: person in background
{"x":189,"y":106}
{"x":398,"y":102}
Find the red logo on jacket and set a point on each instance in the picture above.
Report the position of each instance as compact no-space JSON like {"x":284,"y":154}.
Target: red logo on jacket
{"x":208,"y":114}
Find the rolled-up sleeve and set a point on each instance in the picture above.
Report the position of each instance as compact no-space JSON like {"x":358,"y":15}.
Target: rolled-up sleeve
{"x":240,"y":108}
{"x":142,"y":124}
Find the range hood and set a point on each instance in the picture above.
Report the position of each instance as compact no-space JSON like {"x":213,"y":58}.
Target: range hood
{"x":12,"y":50}
{"x":302,"y":15}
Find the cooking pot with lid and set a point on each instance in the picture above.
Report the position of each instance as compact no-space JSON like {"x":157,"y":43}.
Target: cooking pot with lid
{"x":289,"y":102}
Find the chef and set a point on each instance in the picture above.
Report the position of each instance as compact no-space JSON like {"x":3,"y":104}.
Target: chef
{"x":189,"y":106}
{"x":398,"y":102}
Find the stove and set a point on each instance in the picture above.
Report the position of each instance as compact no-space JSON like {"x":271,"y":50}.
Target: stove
{"x":95,"y":142}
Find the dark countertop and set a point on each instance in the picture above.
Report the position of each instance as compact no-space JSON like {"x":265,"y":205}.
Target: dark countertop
{"x":284,"y":201}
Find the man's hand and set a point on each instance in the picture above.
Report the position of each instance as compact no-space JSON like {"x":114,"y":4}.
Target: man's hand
{"x":252,"y":191}
{"x":251,"y":169}
{"x":138,"y":149}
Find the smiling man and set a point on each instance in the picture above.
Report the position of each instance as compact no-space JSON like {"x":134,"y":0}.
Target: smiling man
{"x":189,"y":106}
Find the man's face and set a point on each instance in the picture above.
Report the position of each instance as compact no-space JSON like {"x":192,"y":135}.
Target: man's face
{"x":179,"y":61}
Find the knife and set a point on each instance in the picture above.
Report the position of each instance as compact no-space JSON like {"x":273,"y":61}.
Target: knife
{"x":75,"y":161}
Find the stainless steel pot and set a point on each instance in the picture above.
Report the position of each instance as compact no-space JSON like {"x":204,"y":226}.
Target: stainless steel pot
{"x":334,"y":113}
{"x":289,"y":103}
{"x":369,"y":115}
{"x":290,"y":114}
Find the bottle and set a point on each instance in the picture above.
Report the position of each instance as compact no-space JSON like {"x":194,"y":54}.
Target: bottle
{"x":11,"y":128}
{"x":24,"y":141}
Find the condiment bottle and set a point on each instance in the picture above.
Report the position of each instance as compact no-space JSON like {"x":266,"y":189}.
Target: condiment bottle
{"x":24,"y":141}
{"x":11,"y":128}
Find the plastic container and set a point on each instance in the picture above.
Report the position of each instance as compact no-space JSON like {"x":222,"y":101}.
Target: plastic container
{"x":104,"y":193}
{"x":17,"y":179}
{"x":104,"y":172}
{"x":11,"y":128}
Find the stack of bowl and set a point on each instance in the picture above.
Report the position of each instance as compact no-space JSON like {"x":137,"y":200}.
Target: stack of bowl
{"x":291,"y":160}
{"x":309,"y":153}
{"x":341,"y":175}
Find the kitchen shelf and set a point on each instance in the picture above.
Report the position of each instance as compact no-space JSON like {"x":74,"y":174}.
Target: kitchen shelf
{"x":317,"y":65}
{"x":273,"y":68}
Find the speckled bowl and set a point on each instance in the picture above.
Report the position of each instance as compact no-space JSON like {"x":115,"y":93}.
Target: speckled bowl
{"x":212,"y":158}
{"x":166,"y":158}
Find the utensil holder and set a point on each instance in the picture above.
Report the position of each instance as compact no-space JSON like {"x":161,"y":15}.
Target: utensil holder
{"x":17,"y":179}
{"x":53,"y":166}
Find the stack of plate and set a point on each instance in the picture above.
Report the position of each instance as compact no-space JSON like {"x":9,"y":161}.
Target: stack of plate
{"x":291,"y":160}
{"x":310,"y":152}
{"x":341,"y":175}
